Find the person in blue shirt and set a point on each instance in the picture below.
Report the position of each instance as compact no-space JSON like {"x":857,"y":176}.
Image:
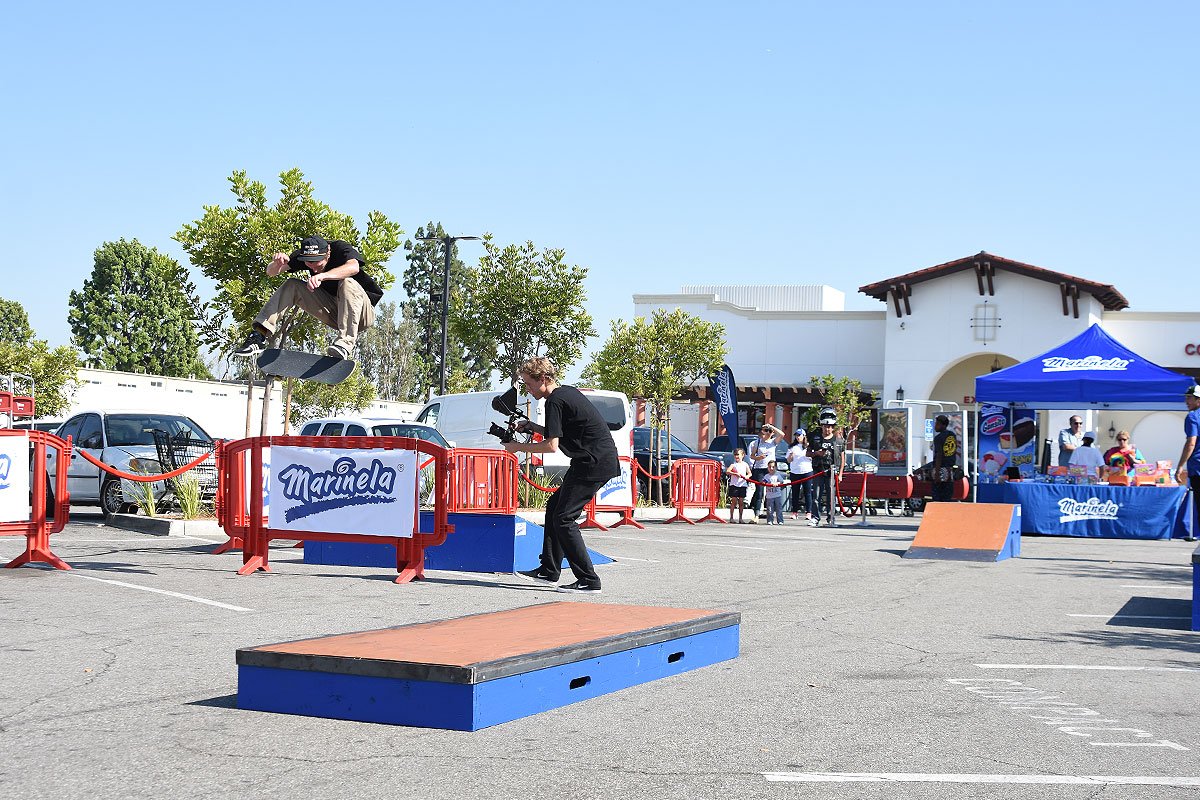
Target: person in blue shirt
{"x":1189,"y":459}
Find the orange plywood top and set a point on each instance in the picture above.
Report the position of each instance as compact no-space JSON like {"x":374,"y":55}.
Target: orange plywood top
{"x":542,"y":633}
{"x":964,"y":526}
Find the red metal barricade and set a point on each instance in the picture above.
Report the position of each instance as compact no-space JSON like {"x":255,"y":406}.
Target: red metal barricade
{"x":695,"y":484}
{"x":626,"y":511}
{"x":38,"y":529}
{"x":483,"y":481}
{"x":235,"y":503}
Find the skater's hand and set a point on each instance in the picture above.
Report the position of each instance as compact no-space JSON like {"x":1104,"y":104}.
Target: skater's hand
{"x":279,"y":263}
{"x":315,"y":280}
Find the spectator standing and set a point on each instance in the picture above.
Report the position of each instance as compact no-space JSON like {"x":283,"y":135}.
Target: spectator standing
{"x":1189,"y":460}
{"x":1088,"y":456}
{"x":1069,"y":439}
{"x":760,"y":454}
{"x":945,"y":459}
{"x":800,"y":466}
{"x":738,"y":472}
{"x":774,"y":495}
{"x":828,"y":451}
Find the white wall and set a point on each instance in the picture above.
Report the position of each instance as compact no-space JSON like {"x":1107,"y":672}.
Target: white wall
{"x":780,"y":348}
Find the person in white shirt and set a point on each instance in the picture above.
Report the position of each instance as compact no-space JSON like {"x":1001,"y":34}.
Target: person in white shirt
{"x":800,"y":465}
{"x":1088,"y":456}
{"x":738,"y":471}
{"x":760,"y":454}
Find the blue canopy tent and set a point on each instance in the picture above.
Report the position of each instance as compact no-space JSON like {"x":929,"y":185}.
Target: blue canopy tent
{"x":1093,"y":370}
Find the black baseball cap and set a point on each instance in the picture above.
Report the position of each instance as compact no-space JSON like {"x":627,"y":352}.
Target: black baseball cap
{"x":1193,"y":391}
{"x":313,"y":248}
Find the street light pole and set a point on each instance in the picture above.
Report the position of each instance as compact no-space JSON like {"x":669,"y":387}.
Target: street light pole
{"x":447,"y":242}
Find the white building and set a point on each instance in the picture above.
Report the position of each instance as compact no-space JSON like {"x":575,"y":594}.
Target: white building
{"x":939,"y":329}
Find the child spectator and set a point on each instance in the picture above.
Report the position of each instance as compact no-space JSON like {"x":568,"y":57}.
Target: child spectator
{"x":738,"y":471}
{"x":774,"y":495}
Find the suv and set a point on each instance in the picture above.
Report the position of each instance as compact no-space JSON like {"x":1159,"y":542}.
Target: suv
{"x":123,"y":440}
{"x":356,"y":426}
{"x":861,"y":461}
{"x":642,"y":445}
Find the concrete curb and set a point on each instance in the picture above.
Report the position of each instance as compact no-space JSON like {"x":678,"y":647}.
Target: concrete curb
{"x":164,"y":526}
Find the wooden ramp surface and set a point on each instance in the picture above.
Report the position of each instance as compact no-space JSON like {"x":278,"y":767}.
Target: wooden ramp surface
{"x":968,"y":532}
{"x":486,"y":646}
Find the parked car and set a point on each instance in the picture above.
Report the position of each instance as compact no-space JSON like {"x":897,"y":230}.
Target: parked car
{"x":642,"y":445}
{"x":357,"y":426}
{"x":46,"y":425}
{"x":720,"y":447}
{"x":861,"y":461}
{"x":125,"y":441}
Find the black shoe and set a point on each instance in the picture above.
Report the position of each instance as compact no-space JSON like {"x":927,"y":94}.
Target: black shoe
{"x":337,"y":351}
{"x":538,"y":575}
{"x":254,"y":345}
{"x":579,"y":587}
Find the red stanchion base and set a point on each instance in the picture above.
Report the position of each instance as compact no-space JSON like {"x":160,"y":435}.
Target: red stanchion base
{"x":37,"y":554}
{"x":627,"y":519}
{"x":253,"y":564}
{"x":234,"y":543}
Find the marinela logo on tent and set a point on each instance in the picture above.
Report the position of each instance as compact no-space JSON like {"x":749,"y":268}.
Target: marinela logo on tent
{"x":1093,"y":508}
{"x":344,"y":485}
{"x":1086,"y":364}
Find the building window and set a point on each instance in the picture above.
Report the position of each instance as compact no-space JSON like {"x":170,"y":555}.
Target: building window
{"x":156,"y":383}
{"x":985,"y":322}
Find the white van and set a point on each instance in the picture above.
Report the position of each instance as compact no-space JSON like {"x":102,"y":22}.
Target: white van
{"x":465,"y":418}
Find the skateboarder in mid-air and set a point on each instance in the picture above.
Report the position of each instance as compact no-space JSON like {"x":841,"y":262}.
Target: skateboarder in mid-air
{"x":338,"y":292}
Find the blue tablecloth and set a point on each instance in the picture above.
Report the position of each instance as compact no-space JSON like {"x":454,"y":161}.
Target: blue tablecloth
{"x":1113,"y":512}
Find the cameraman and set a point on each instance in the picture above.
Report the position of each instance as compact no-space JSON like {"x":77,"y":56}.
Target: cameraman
{"x":575,"y":427}
{"x":828,"y":452}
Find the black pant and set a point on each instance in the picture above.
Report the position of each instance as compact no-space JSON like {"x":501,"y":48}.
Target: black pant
{"x":943,"y":492}
{"x":757,"y":498}
{"x":823,"y":498}
{"x":1194,"y":483}
{"x":562,"y":528}
{"x":802,"y":493}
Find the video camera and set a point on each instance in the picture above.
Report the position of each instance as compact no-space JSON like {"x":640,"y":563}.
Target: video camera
{"x":506,"y":404}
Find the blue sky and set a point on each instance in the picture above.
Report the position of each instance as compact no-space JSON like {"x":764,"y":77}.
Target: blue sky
{"x":657,"y":143}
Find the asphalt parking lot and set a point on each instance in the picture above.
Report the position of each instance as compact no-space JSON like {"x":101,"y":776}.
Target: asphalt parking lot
{"x":862,"y":674}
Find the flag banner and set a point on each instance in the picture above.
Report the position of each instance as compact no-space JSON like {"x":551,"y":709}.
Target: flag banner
{"x":368,"y":492}
{"x":724,"y":389}
{"x":14,"y":478}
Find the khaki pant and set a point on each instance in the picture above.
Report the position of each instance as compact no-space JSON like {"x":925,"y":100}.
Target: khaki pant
{"x":348,"y":313}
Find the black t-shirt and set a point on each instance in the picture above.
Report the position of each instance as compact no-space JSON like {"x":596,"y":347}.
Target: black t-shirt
{"x":826,"y":453}
{"x":946,"y":443}
{"x":339,"y":253}
{"x":582,"y":434}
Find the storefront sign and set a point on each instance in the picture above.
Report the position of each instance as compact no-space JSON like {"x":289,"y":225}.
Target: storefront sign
{"x":369,"y":492}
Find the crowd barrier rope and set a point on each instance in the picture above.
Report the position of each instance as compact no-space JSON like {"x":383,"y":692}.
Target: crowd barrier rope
{"x":695,"y":484}
{"x":129,"y":476}
{"x":237,"y":506}
{"x":37,"y":529}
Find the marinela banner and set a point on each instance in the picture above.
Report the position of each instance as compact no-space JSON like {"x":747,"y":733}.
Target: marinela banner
{"x":368,"y":492}
{"x":724,"y":389}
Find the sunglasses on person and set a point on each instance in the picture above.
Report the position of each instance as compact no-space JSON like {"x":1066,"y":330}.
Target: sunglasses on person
{"x":1122,"y":438}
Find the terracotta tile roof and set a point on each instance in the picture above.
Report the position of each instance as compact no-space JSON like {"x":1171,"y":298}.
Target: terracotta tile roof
{"x":1107,"y":294}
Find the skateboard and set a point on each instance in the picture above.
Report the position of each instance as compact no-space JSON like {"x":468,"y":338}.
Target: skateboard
{"x":305,"y":366}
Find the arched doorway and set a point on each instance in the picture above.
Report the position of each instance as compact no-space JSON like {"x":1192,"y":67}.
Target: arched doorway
{"x":958,"y":381}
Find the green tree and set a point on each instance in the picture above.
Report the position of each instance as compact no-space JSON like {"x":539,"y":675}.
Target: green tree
{"x":523,"y":303}
{"x":233,"y":246}
{"x":53,"y":373}
{"x":137,"y":312}
{"x":846,"y":397}
{"x":14,"y":323}
{"x":656,"y":359}
{"x":311,"y":400}
{"x":423,"y":283}
{"x":387,"y":353}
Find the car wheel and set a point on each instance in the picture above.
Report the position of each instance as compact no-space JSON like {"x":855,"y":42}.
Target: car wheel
{"x":112,"y":499}
{"x":916,"y":503}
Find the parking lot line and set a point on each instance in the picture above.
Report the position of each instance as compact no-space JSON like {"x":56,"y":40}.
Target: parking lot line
{"x":1089,"y":666}
{"x":919,"y":777}
{"x":1156,"y":586}
{"x":671,"y":541}
{"x":160,"y":591}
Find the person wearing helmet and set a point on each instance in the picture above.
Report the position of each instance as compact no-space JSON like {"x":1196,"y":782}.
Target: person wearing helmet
{"x":828,"y":452}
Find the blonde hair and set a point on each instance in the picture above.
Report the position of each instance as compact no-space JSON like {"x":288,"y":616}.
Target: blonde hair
{"x":1128,"y":438}
{"x":538,"y":367}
